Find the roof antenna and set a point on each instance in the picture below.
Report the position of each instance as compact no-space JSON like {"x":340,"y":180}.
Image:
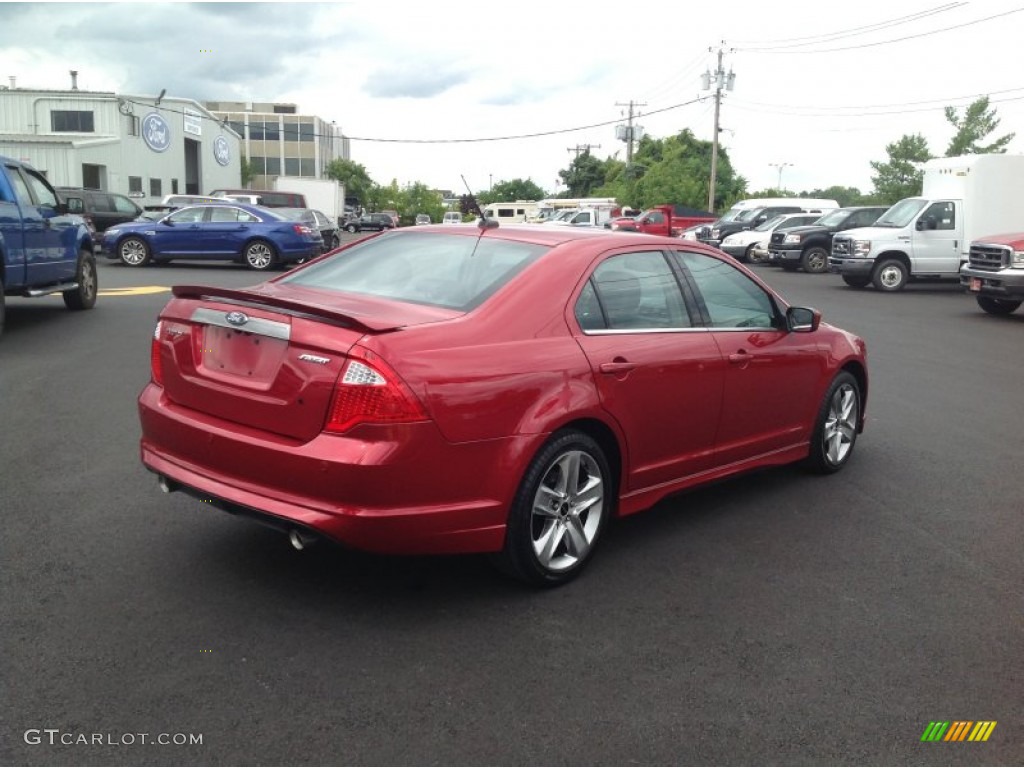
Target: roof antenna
{"x":484,"y":222}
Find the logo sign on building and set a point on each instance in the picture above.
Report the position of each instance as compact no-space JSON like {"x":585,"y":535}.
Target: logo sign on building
{"x":193,"y":122}
{"x":156,"y":132}
{"x":222,"y":150}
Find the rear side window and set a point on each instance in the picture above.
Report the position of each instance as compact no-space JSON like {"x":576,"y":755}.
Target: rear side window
{"x":442,"y":270}
{"x":632,"y":291}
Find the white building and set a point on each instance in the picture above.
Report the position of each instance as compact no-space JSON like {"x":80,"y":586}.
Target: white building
{"x":278,"y":141}
{"x":141,"y":146}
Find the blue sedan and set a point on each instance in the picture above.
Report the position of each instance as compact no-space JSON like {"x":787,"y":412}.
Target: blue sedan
{"x":258,"y":237}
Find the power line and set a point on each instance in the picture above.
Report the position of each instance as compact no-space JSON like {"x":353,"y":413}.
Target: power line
{"x":861,"y":107}
{"x":825,"y":37}
{"x":902,"y":110}
{"x":895,"y":40}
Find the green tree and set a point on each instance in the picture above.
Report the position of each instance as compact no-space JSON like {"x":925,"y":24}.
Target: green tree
{"x":246,"y":172}
{"x":419,"y":198}
{"x":354,"y":177}
{"x":901,"y":176}
{"x":977,"y":123}
{"x":584,"y":174}
{"x":509,"y":191}
{"x":845,"y":196}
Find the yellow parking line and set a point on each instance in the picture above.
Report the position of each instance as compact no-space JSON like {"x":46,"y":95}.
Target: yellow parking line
{"x":140,"y":290}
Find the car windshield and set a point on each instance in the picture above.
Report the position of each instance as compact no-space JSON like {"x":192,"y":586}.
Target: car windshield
{"x":901,"y":214}
{"x":748,"y":215}
{"x":450,"y":271}
{"x":769,"y":225}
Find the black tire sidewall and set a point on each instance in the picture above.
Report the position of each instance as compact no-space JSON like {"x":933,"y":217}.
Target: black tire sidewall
{"x":518,"y":558}
{"x":817,"y":461}
{"x":77,"y":298}
{"x":805,"y":260}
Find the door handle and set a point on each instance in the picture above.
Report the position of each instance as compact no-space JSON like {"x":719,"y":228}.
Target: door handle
{"x":618,"y":366}
{"x":741,"y":358}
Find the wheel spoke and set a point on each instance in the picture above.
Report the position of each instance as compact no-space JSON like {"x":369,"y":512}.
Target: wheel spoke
{"x":547,"y":543}
{"x":592,"y":493}
{"x":577,"y":542}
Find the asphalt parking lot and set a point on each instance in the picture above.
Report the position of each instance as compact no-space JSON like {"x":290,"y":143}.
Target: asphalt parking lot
{"x":779,"y":618}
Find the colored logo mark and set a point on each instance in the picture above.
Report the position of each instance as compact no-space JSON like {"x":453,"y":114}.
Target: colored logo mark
{"x":222,"y":150}
{"x":959,"y":730}
{"x":156,"y":132}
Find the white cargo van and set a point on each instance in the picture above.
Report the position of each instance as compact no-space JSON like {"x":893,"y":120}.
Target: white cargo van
{"x":962,"y":199}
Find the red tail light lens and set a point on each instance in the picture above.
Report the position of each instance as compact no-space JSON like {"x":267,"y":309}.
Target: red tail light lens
{"x":302,"y":230}
{"x":370,"y":392}
{"x":155,"y":364}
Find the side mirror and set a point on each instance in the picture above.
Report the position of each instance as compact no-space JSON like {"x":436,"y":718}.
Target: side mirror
{"x":802,"y":319}
{"x":167,"y":220}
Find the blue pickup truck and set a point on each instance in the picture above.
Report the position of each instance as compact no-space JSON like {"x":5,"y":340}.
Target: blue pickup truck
{"x":43,"y":248}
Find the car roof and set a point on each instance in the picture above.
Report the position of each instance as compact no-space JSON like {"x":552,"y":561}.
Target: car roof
{"x":550,"y":236}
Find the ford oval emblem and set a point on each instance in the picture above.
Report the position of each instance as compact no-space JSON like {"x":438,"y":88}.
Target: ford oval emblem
{"x":237,"y":318}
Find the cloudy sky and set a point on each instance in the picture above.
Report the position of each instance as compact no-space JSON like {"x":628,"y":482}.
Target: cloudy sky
{"x":820,"y":87}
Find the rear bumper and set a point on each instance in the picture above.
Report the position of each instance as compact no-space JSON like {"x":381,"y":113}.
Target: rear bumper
{"x":390,"y":490}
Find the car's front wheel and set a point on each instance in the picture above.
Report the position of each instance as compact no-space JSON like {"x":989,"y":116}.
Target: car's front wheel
{"x":835,"y":431}
{"x":559,"y":511}
{"x":856,"y":281}
{"x":351,"y":228}
{"x":133,"y":252}
{"x":998,"y":306}
{"x":260,"y":255}
{"x":84,"y":296}
{"x":815,"y":260}
{"x":890,"y":276}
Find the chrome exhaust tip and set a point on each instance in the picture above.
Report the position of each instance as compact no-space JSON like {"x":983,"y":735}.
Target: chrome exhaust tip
{"x":166,"y":485}
{"x":300,"y":540}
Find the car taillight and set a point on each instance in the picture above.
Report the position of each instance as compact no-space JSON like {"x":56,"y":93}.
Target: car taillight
{"x":302,"y":229}
{"x":370,"y":392}
{"x":155,"y":366}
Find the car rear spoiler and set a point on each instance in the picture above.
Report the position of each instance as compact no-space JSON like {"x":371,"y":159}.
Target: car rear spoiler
{"x":298,"y":308}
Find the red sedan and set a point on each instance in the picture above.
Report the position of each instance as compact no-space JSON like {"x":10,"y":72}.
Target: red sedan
{"x":463,"y":389}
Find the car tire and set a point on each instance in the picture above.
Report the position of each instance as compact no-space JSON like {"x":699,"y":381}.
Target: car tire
{"x":815,"y":260}
{"x":997,"y":306}
{"x":335,"y":241}
{"x":890,"y":276}
{"x":134,"y":252}
{"x":351,"y":229}
{"x":835,"y":430}
{"x":84,"y":296}
{"x":857,"y":281}
{"x":752,"y":259}
{"x":260,"y":255}
{"x":554,"y":523}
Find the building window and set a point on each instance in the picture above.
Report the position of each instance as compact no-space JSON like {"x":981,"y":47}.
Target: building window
{"x":291,"y":131}
{"x":174,"y":186}
{"x":291,"y":166}
{"x":134,"y":183}
{"x":307,"y":167}
{"x":256,"y":130}
{"x":284,"y":109}
{"x":271,"y":131}
{"x":71,"y":121}
{"x":273,"y":166}
{"x":156,"y":188}
{"x":237,"y":126}
{"x":258,"y":165}
{"x":306,"y":132}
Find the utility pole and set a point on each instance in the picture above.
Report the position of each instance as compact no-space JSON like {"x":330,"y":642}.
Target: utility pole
{"x":579,"y":149}
{"x":626,"y":132}
{"x":719,"y":78}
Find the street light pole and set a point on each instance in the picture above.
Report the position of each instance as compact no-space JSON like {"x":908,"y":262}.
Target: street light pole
{"x":781,"y":167}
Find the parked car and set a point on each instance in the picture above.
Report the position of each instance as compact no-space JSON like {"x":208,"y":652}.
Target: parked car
{"x":102,"y":209}
{"x":394,"y":216}
{"x":809,"y":247}
{"x":44,"y":249}
{"x":258,"y":237}
{"x":499,"y":390}
{"x":319,"y":220}
{"x":452,"y":217}
{"x":374,"y":221}
{"x":740,"y":245}
{"x":422,"y":219}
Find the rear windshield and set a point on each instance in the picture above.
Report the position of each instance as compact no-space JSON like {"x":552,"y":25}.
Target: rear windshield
{"x":452,"y":271}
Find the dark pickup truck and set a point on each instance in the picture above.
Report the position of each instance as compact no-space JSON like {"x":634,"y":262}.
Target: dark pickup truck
{"x":810,"y":246}
{"x":43,"y":248}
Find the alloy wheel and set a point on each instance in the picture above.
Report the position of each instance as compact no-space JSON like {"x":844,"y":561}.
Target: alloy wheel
{"x":840,"y":424}
{"x":566,"y":512}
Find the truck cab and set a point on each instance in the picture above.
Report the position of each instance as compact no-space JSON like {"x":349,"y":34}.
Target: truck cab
{"x":918,"y":237}
{"x":43,"y":248}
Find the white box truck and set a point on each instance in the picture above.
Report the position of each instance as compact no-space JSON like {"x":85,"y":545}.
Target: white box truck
{"x":324,"y":195}
{"x":962,"y":199}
